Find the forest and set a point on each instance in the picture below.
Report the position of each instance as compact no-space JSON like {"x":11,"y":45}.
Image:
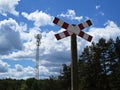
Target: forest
{"x":98,"y":69}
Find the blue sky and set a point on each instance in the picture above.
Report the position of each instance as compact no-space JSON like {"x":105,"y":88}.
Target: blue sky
{"x":21,"y":20}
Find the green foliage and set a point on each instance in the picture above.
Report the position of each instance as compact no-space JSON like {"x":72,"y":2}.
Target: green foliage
{"x":99,"y":65}
{"x":24,"y":87}
{"x":65,"y":77}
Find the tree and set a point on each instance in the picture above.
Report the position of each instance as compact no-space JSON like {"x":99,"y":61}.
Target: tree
{"x":115,"y":75}
{"x":96,"y":65}
{"x":65,"y":77}
{"x":24,"y":87}
{"x":89,"y":68}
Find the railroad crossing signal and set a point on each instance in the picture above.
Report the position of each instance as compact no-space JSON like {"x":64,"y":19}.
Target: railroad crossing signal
{"x":70,"y":29}
{"x":73,"y":30}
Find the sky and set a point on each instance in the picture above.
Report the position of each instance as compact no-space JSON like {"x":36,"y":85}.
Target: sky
{"x":21,"y":20}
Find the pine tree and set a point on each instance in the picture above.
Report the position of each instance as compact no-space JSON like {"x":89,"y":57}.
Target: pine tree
{"x":97,"y":61}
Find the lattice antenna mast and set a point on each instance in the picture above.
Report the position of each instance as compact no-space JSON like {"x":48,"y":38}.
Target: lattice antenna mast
{"x":38,"y":38}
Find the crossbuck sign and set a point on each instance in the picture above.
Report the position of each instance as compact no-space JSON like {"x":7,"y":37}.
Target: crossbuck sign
{"x":70,"y":29}
{"x":73,"y":30}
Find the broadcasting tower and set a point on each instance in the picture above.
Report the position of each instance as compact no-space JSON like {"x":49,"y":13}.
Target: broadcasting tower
{"x":38,"y":38}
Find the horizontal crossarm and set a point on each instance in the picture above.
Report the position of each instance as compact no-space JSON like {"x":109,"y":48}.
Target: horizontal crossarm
{"x":67,"y":26}
{"x":60,"y":23}
{"x":85,"y":24}
{"x":62,"y":35}
{"x":65,"y":34}
{"x":85,"y":36}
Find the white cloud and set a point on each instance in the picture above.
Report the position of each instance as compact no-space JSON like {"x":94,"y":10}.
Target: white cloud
{"x":98,"y":6}
{"x":19,"y":72}
{"x":3,"y":67}
{"x":40,"y":18}
{"x":28,"y":46}
{"x":71,"y":15}
{"x":19,"y":68}
{"x":8,"y":6}
{"x":26,"y":72}
{"x":100,"y":12}
{"x":9,"y":36}
{"x":111,"y":30}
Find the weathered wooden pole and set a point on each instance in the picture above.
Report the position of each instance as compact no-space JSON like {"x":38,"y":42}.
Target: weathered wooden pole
{"x":74,"y":65}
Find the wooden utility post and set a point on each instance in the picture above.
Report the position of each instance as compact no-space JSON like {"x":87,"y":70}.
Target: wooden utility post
{"x":74,"y":65}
